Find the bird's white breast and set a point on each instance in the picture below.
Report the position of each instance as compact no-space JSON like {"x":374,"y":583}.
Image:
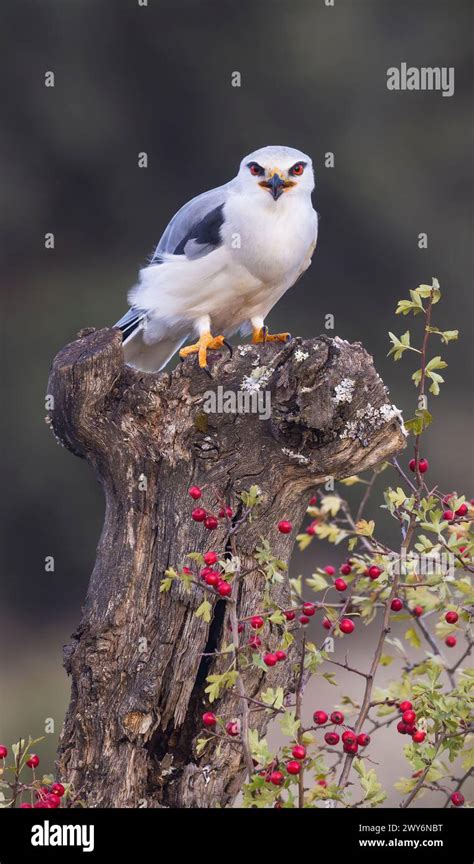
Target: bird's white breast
{"x":271,"y":239}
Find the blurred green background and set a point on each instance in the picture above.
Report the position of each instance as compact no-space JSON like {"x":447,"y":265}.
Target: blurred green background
{"x":157,"y":78}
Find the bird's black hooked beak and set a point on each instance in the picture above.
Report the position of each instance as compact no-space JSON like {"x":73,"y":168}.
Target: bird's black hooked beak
{"x":276,"y":186}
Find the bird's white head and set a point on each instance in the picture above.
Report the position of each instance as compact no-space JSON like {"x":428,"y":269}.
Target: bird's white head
{"x":276,"y":172}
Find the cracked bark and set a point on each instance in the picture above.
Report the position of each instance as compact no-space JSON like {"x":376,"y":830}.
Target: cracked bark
{"x":135,"y":661}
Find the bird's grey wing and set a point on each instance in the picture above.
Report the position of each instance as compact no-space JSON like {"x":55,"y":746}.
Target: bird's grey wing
{"x":195,"y":229}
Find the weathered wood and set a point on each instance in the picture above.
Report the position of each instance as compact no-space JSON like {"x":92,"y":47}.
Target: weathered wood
{"x":138,"y":674}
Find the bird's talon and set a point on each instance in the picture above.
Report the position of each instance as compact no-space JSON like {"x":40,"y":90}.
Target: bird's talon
{"x":229,"y":347}
{"x":262,"y":336}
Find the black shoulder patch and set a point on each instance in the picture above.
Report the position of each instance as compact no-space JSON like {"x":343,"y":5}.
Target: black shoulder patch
{"x":207,"y":232}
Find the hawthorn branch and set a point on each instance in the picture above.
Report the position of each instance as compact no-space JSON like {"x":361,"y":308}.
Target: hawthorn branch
{"x":140,"y":659}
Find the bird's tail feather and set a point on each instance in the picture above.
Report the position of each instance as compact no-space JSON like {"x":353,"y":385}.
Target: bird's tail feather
{"x":151,"y":358}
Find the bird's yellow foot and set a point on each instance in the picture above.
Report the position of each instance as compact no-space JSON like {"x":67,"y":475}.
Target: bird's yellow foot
{"x":206,"y":342}
{"x":262,"y":335}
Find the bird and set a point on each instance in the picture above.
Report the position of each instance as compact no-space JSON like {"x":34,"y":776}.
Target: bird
{"x":223,"y":262}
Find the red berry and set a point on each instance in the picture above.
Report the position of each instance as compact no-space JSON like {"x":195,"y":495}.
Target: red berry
{"x":209,"y":719}
{"x":447,"y":498}
{"x":198,"y":514}
{"x":423,"y":465}
{"x":3,"y":751}
{"x":195,"y":492}
{"x":327,"y":624}
{"x":290,"y":615}
{"x":33,"y":761}
{"x":212,"y":578}
{"x":58,"y":789}
{"x":330,"y":570}
{"x":345,"y":569}
{"x":348,"y":735}
{"x":337,"y":717}
{"x":210,"y":558}
{"x":451,"y":617}
{"x":270,"y":659}
{"x":53,"y":800}
{"x":285,"y":527}
{"x":419,"y":736}
{"x":320,"y":717}
{"x":276,"y":777}
{"x":396,"y":604}
{"x":346,"y":625}
{"x":293,"y":767}
{"x":351,"y":747}
{"x":25,"y":806}
{"x":224,"y":589}
{"x":410,"y":730}
{"x":205,"y":571}
{"x":309,"y":609}
{"x":255,"y":642}
{"x":280,"y":655}
{"x":311,"y":529}
{"x":450,"y":641}
{"x":418,"y":611}
{"x":303,"y":619}
{"x":257,"y":622}
{"x":409,"y":717}
{"x":363,"y":740}
{"x":462,"y":510}
{"x":448,"y":515}
{"x":402,"y":727}
{"x":331,"y":738}
{"x":225,"y":511}
{"x":211,"y":523}
{"x":232,"y":728}
{"x":374,"y":572}
{"x":322,"y":783}
{"x":299,"y":752}
{"x":340,"y":584}
{"x":313,"y":501}
{"x":405,"y":706}
{"x":457,"y":798}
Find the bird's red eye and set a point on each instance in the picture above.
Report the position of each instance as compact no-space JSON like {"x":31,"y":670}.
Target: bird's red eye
{"x":255,"y":169}
{"x":297,"y":169}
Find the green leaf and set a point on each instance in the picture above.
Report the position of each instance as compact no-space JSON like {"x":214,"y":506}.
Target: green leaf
{"x":200,"y":745}
{"x":273,"y":698}
{"x":350,"y":481}
{"x":167,"y":581}
{"x":412,"y":637}
{"x":400,"y":345}
{"x":289,"y":725}
{"x":317,"y":582}
{"x":204,"y":611}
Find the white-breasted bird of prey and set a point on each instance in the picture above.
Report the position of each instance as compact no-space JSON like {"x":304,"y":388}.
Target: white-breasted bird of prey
{"x":223,"y":262}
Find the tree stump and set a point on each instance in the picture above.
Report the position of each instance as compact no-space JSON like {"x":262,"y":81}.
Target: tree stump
{"x":138,"y":658}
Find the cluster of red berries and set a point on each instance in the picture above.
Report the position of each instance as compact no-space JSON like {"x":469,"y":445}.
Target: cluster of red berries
{"x":199,"y":514}
{"x":350,"y":741}
{"x":49,"y":797}
{"x":213,"y":577}
{"x":406,"y":726}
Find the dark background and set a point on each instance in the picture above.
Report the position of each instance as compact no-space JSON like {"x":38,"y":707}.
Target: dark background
{"x":158,"y":79}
